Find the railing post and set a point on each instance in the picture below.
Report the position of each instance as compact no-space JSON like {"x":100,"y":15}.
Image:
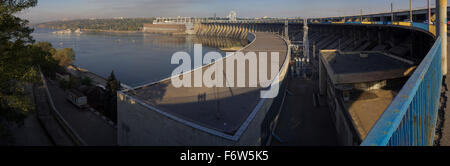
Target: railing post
{"x":441,"y":30}
{"x":410,"y":12}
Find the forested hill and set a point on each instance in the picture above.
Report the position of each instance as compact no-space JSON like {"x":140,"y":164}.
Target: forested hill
{"x":125,"y":24}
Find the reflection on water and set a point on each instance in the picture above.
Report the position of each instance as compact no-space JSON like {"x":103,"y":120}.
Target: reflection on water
{"x":136,"y":58}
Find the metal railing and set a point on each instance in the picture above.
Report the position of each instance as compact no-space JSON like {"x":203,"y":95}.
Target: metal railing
{"x":410,"y":119}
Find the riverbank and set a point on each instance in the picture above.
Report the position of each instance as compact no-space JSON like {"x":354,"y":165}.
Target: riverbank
{"x":129,"y":32}
{"x":108,"y":31}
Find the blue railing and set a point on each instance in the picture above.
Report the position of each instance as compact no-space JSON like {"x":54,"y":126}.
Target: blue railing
{"x":420,"y":25}
{"x":410,"y":119}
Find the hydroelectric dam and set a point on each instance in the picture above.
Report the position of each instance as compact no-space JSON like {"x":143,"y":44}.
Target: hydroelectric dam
{"x":354,"y":61}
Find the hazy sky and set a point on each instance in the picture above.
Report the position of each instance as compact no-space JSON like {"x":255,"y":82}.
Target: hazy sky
{"x":48,"y":10}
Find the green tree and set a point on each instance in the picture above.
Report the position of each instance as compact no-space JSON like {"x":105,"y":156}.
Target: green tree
{"x":86,"y":81}
{"x":43,"y":52}
{"x":19,"y":61}
{"x":112,"y":86}
{"x":65,"y":56}
{"x":46,"y":47}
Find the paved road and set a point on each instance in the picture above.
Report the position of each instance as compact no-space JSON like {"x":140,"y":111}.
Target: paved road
{"x":90,"y":127}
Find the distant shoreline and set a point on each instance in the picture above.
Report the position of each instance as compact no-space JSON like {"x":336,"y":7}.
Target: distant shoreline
{"x":224,"y":49}
{"x":109,"y":31}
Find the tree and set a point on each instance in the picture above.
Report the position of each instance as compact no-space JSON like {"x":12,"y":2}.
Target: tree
{"x":46,"y":47}
{"x":65,"y":56}
{"x":112,"y":86}
{"x":19,"y":61}
{"x":86,"y":81}
{"x":44,"y":51}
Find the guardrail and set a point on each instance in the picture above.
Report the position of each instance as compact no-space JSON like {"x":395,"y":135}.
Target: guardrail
{"x":424,"y":26}
{"x":263,"y":21}
{"x":64,"y":124}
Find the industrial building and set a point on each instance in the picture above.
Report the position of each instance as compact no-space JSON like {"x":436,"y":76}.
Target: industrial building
{"x":359,"y":86}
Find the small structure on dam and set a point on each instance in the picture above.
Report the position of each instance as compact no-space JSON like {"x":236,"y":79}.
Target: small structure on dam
{"x":359,"y":86}
{"x":165,"y":28}
{"x":175,"y":26}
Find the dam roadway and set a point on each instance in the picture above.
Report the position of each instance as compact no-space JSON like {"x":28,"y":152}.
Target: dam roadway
{"x":223,"y":110}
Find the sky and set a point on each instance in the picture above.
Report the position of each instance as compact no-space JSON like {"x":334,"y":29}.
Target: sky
{"x":50,"y":10}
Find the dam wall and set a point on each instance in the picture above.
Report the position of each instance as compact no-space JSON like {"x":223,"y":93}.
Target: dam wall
{"x":145,"y":123}
{"x":165,"y":28}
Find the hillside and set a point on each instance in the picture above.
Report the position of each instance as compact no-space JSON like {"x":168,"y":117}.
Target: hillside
{"x":126,"y":24}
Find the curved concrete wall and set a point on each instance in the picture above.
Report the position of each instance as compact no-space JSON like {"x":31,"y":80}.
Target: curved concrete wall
{"x":407,"y":42}
{"x":412,"y":43}
{"x":236,"y":30}
{"x":143,"y":125}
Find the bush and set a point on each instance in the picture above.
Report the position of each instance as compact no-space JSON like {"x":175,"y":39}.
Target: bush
{"x":64,"y":84}
{"x":86,"y":81}
{"x":74,"y":82}
{"x":65,"y":56}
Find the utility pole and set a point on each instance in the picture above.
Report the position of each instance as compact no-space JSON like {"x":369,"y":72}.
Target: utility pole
{"x":410,"y":11}
{"x":360,"y":19}
{"x":441,"y":30}
{"x":305,"y":39}
{"x":429,"y":13}
{"x":392,"y":12}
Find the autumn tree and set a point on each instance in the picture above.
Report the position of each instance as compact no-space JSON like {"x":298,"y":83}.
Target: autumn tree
{"x":65,"y":56}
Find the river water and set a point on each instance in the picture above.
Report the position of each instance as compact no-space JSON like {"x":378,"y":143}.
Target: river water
{"x":136,"y":58}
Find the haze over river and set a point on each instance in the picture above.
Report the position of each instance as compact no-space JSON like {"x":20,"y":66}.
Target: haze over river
{"x":136,"y":58}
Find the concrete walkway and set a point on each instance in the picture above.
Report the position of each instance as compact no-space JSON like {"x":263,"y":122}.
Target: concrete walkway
{"x":48,"y":119}
{"x":223,"y":109}
{"x":302,"y":124}
{"x":30,"y":133}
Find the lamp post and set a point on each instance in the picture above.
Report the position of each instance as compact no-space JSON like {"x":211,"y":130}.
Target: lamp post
{"x":392,"y":12}
{"x":410,"y":11}
{"x":441,"y":30}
